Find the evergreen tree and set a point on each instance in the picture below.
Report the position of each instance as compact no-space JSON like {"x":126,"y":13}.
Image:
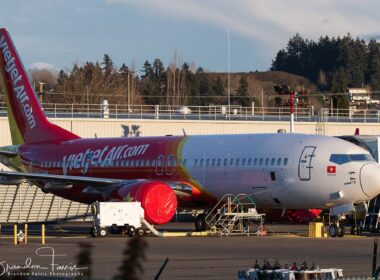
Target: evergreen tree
{"x":242,"y":93}
{"x":373,"y":72}
{"x":108,"y":66}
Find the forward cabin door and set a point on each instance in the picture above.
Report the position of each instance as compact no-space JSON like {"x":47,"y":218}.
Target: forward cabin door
{"x":305,"y":164}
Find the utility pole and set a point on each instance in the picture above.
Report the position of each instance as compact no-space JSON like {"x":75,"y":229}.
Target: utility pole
{"x":228,"y":74}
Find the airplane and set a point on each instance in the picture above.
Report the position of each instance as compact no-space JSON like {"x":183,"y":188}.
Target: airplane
{"x":281,"y":170}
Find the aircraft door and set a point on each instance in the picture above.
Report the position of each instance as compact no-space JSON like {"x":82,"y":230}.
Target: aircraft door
{"x":305,"y":163}
{"x":160,"y":165}
{"x":169,"y":165}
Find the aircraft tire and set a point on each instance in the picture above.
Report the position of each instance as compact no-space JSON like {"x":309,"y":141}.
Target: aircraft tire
{"x":200,"y":223}
{"x":333,"y":230}
{"x":341,"y":231}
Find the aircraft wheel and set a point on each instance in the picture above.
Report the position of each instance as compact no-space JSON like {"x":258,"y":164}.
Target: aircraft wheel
{"x":132,"y":231}
{"x":102,"y":232}
{"x":200,"y":223}
{"x":333,"y":230}
{"x":341,"y":231}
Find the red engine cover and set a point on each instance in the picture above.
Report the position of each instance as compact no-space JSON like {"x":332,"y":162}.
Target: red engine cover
{"x":158,"y":200}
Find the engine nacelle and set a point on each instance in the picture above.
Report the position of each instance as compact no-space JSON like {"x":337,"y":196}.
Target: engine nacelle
{"x":157,"y":198}
{"x":10,"y":181}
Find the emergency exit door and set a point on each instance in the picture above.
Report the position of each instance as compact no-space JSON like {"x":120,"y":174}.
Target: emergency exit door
{"x":305,"y":163}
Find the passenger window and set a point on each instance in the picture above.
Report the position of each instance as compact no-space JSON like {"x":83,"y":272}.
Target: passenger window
{"x":213,"y":162}
{"x":184,"y":162}
{"x":261,"y":161}
{"x":266,"y":161}
{"x":142,"y":163}
{"x":255,"y":162}
{"x":273,"y":161}
{"x":249,"y":162}
{"x":243,"y":162}
{"x":122,"y":162}
{"x":207,"y":162}
{"x":285,"y":161}
{"x":237,"y":161}
{"x":202,"y":161}
{"x":153,"y":162}
{"x":127,"y":162}
{"x":231,"y":162}
{"x":131,"y":163}
{"x":195,"y":162}
{"x":225,"y":162}
{"x":278,"y":161}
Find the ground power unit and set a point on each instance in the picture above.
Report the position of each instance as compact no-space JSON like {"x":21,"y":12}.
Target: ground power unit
{"x":117,"y":217}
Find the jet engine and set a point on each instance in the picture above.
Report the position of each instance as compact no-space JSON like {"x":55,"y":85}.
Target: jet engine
{"x":10,"y":181}
{"x":157,"y":198}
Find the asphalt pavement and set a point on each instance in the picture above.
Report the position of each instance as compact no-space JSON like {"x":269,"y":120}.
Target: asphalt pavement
{"x":189,"y":257}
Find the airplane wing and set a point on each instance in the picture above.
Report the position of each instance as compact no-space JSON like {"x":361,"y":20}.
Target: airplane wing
{"x":95,"y":185}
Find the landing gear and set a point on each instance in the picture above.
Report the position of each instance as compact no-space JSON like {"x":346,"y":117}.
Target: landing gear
{"x":336,"y":230}
{"x":200,"y":222}
{"x":333,"y":230}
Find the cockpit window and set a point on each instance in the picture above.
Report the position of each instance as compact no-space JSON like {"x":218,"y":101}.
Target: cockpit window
{"x":344,"y":158}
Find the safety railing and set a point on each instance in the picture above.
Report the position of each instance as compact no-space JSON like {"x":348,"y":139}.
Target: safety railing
{"x":212,"y":112}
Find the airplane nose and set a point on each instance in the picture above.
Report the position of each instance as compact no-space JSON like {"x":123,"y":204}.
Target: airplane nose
{"x":370,"y":179}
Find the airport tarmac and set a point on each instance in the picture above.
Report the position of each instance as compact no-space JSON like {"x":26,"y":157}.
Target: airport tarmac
{"x":196,"y":257}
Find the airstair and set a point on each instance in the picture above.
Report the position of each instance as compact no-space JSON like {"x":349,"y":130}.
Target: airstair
{"x":233,"y":214}
{"x":371,"y":220}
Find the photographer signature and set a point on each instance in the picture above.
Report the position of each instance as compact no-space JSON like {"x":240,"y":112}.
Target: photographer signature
{"x":53,"y":265}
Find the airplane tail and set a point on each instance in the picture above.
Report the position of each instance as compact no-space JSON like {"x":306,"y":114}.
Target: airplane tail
{"x":27,"y":122}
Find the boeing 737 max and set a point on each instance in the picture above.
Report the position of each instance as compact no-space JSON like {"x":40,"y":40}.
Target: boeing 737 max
{"x":282,"y":171}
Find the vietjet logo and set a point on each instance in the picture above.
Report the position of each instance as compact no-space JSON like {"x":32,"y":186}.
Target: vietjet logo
{"x":101,"y":157}
{"x":17,"y":82}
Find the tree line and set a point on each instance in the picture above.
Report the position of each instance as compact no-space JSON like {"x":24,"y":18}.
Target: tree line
{"x":177,"y":84}
{"x":333,"y":64}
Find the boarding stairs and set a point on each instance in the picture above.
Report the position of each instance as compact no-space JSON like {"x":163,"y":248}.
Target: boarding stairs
{"x":232,"y":215}
{"x":372,"y":217}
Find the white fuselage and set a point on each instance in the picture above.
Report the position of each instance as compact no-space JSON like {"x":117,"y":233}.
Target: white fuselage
{"x":282,"y":171}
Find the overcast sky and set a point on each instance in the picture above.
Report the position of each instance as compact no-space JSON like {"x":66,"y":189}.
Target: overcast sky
{"x":59,"y":33}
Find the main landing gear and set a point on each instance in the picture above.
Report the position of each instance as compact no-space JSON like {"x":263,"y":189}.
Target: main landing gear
{"x":200,"y":222}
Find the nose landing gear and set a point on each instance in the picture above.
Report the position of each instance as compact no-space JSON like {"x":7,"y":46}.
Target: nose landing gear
{"x":336,"y":230}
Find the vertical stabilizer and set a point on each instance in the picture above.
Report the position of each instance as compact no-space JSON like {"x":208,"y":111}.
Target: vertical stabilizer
{"x":27,"y":122}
